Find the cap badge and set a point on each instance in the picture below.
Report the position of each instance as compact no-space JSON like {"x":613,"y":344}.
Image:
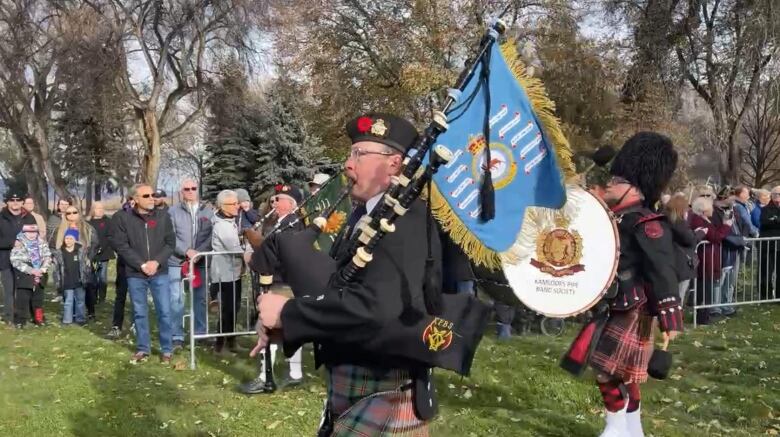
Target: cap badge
{"x":379,"y":128}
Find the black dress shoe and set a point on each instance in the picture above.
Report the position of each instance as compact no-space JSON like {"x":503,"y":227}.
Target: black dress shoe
{"x":291,"y":382}
{"x":254,"y":386}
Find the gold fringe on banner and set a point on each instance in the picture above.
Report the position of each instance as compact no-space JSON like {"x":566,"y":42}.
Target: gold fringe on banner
{"x":544,"y":108}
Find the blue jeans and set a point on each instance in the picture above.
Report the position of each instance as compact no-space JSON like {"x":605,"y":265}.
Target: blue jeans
{"x":158,"y":285}
{"x":74,"y":299}
{"x":101,"y":272}
{"x":466,"y":287}
{"x":177,"y":303}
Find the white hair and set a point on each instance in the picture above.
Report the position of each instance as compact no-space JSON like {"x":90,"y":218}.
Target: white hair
{"x":701,"y":205}
{"x":225,"y":195}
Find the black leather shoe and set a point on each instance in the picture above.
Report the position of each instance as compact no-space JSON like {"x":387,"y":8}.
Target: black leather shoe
{"x":291,"y":382}
{"x":253,"y":387}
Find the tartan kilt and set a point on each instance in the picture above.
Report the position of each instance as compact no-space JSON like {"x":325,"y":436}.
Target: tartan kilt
{"x":625,"y":346}
{"x":372,"y":402}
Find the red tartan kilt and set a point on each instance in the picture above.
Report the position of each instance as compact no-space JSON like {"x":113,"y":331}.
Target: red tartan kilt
{"x":625,"y":346}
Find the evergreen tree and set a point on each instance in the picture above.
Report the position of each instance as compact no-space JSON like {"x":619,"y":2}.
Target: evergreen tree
{"x":286,"y":152}
{"x":232,"y":134}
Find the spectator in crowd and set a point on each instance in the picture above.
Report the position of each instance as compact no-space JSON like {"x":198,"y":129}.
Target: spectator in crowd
{"x":160,"y":197}
{"x":88,"y":240}
{"x":685,"y":241}
{"x":317,"y":182}
{"x":55,"y":220}
{"x":226,"y":270}
{"x":247,"y":216}
{"x":192,"y":227}
{"x":145,"y":240}
{"x":705,"y":191}
{"x":741,"y":199}
{"x":100,"y":223}
{"x":74,"y":275}
{"x":120,"y":284}
{"x":701,"y":221}
{"x":770,"y":228}
{"x":29,"y":206}
{"x":31,"y":258}
{"x":51,"y":229}
{"x":665,"y":198}
{"x":12,"y":218}
{"x":762,"y":199}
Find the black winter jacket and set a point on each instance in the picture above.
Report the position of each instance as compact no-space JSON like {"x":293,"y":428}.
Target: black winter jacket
{"x":685,"y":241}
{"x":104,"y":251}
{"x":140,"y":238}
{"x":10,"y":226}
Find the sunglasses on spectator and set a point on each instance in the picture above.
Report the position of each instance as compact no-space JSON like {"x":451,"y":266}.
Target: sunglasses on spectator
{"x":71,"y":213}
{"x":189,"y":189}
{"x":146,"y":196}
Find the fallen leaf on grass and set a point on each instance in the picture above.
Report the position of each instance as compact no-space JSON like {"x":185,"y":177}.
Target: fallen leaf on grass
{"x":697,"y":343}
{"x":274,"y":425}
{"x":224,"y":415}
{"x":179,"y":365}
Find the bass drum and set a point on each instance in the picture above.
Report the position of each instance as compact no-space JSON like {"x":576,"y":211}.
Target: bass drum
{"x":564,"y":261}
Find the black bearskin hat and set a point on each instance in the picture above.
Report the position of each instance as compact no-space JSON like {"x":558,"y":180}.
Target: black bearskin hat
{"x":647,"y":160}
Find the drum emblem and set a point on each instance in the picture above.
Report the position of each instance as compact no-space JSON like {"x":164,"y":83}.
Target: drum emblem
{"x":559,"y":250}
{"x":438,"y":334}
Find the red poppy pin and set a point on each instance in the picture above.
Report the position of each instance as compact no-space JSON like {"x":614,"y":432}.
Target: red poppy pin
{"x":654,"y":230}
{"x":364,"y":124}
{"x":102,"y":225}
{"x":151,"y":223}
{"x":278,"y":187}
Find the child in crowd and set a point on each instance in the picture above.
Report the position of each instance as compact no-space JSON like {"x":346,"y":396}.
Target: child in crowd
{"x":30,"y":258}
{"x":74,"y":271}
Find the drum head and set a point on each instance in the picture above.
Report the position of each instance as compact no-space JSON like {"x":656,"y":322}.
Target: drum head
{"x":572,"y":258}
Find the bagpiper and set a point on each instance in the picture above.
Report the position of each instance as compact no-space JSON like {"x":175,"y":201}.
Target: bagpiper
{"x":374,"y":394}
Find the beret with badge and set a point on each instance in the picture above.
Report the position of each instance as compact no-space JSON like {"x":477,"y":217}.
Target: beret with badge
{"x":291,"y":191}
{"x":386,"y":129}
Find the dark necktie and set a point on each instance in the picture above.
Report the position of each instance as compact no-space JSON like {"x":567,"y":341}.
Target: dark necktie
{"x":357,"y":213}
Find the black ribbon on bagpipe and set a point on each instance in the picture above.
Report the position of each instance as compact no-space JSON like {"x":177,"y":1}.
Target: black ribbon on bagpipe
{"x":461,"y":318}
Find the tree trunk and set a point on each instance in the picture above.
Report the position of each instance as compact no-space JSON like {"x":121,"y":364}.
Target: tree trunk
{"x":36,"y":190}
{"x":98,"y":191}
{"x":150,"y":134}
{"x":88,"y":191}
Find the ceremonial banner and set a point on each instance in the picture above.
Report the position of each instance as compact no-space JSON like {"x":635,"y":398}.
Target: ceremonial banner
{"x":324,"y":198}
{"x":528,"y":162}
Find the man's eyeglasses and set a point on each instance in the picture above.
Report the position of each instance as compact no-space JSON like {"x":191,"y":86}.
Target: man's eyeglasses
{"x":190,"y":189}
{"x":775,"y":194}
{"x":357,"y":152}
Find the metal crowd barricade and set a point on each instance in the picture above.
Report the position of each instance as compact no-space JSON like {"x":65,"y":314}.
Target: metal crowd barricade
{"x":728,"y":277}
{"x":218,"y":292}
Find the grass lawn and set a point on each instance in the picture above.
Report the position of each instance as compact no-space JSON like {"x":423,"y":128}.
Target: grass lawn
{"x":72,"y":382}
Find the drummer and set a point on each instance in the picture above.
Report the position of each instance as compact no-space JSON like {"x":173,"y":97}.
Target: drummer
{"x":646,"y":284}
